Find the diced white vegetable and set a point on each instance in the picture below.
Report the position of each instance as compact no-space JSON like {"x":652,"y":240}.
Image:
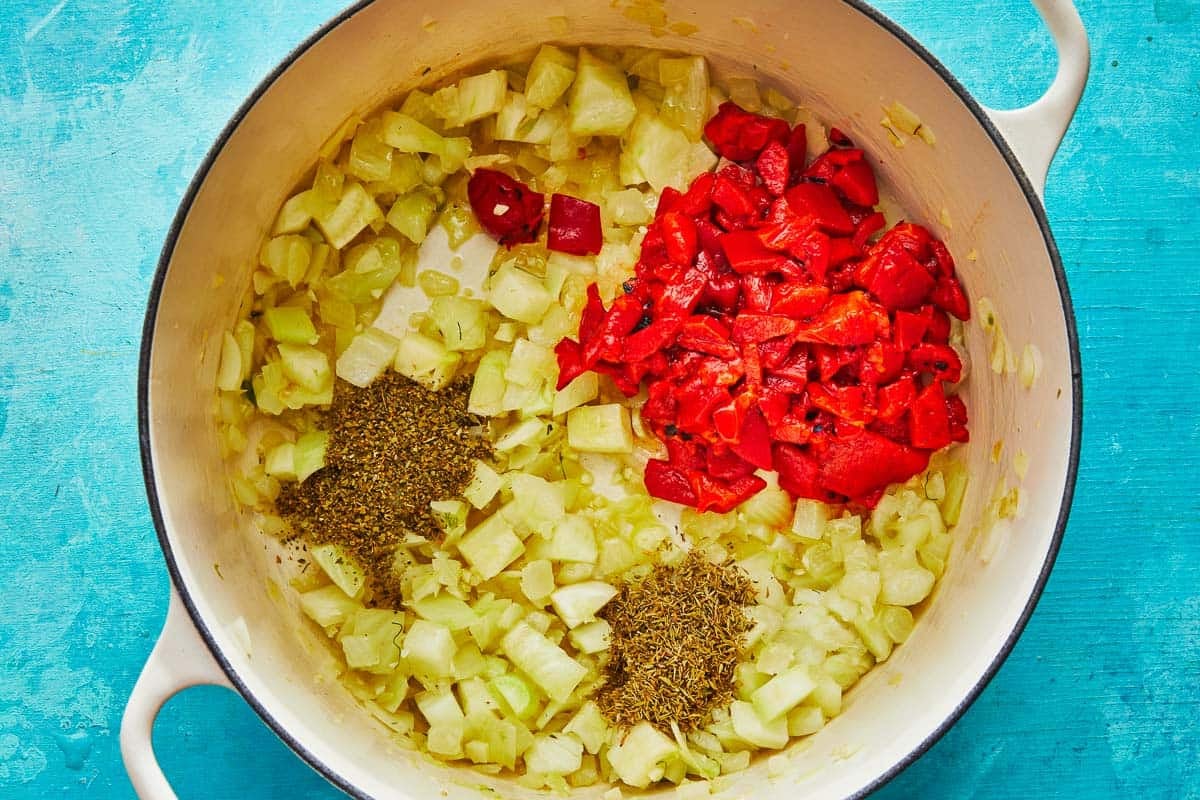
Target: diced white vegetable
{"x":369,"y":354}
{"x":589,"y":725}
{"x":600,"y":429}
{"x":782,"y":693}
{"x":369,"y":640}
{"x":229,"y":373}
{"x":537,"y":580}
{"x":518,"y":295}
{"x":810,"y":517}
{"x":574,"y":539}
{"x":591,"y":637}
{"x":579,"y":602}
{"x":660,"y":152}
{"x":552,"y":669}
{"x":487,"y":388}
{"x":429,"y":649}
{"x":328,"y":605}
{"x":583,"y":389}
{"x":485,"y":482}
{"x":600,"y":102}
{"x":554,"y":754}
{"x":753,"y":729}
{"x":340,"y":567}
{"x":426,"y":361}
{"x":638,"y":758}
{"x":491,"y":546}
{"x":516,"y":693}
{"x":550,"y":75}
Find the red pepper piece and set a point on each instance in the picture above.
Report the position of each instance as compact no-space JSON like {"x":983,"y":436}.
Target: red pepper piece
{"x":679,"y":237}
{"x":757,"y":290}
{"x":929,"y":422}
{"x":697,"y":200}
{"x":570,"y":361}
{"x":948,"y":295}
{"x":797,"y":148}
{"x":870,"y":224}
{"x":818,"y":202}
{"x":746,"y":253}
{"x":754,"y":441}
{"x":660,"y":404}
{"x":654,"y":366}
{"x":793,"y":430}
{"x":908,"y":328}
{"x":894,"y":276}
{"x":592,"y":316}
{"x":732,"y":198}
{"x":843,"y":249}
{"x":839,"y":138}
{"x":620,"y":320}
{"x":798,"y":474}
{"x":621,"y":376}
{"x":795,"y":367}
{"x":956,"y":409}
{"x":752,"y":365}
{"x":939,"y":327}
{"x":858,"y":462}
{"x":832,"y":360}
{"x":774,"y":168}
{"x":574,"y":226}
{"x":749,"y":327}
{"x":685,"y":455}
{"x":881,"y":362}
{"x":681,"y":296}
{"x":773,"y":403}
{"x":649,"y":340}
{"x":696,"y":408}
{"x":668,"y":200}
{"x":856,"y":181}
{"x":668,"y":483}
{"x":798,"y":301}
{"x":726,"y":465}
{"x":723,"y":291}
{"x":739,"y":135}
{"x":848,"y":319}
{"x":713,"y":495}
{"x":506,"y":208}
{"x":893,"y":400}
{"x":854,"y":404}
{"x":939,"y":360}
{"x":774,"y":352}
{"x":942,"y":258}
{"x":707,"y":335}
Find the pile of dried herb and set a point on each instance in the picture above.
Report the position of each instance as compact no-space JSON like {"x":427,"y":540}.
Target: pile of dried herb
{"x":394,"y":447}
{"x":676,"y":639}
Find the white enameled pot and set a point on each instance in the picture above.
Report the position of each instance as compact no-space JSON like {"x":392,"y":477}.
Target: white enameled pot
{"x":840,"y":58}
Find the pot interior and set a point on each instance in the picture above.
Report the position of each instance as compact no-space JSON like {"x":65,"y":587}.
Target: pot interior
{"x":836,"y":59}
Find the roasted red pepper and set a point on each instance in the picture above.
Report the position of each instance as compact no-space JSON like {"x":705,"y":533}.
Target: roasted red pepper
{"x":574,"y":226}
{"x":770,"y":333}
{"x":739,"y":135}
{"x":506,"y":208}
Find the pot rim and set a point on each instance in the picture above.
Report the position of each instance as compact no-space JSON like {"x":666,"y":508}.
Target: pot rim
{"x":180,"y":218}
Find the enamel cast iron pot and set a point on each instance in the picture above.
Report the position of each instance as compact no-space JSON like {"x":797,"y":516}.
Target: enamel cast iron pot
{"x":840,"y":58}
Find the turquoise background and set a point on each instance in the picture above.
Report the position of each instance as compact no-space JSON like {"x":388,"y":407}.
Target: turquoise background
{"x":107,"y":108}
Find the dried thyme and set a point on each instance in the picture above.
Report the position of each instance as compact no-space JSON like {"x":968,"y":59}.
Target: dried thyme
{"x":676,"y":639}
{"x":394,"y":447}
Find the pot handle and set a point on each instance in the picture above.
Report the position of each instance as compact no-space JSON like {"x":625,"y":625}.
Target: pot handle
{"x":1035,"y":131}
{"x":180,"y":659}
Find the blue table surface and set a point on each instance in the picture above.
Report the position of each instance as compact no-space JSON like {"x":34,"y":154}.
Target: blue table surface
{"x":107,"y":108}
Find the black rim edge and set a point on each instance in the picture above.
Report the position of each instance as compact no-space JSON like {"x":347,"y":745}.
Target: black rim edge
{"x":151,"y":317}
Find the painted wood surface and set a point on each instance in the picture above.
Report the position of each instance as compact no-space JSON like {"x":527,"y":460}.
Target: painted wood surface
{"x":107,"y":107}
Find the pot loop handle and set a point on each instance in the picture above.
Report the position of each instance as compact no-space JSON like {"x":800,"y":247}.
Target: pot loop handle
{"x":180,"y":659}
{"x":1035,"y":131}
